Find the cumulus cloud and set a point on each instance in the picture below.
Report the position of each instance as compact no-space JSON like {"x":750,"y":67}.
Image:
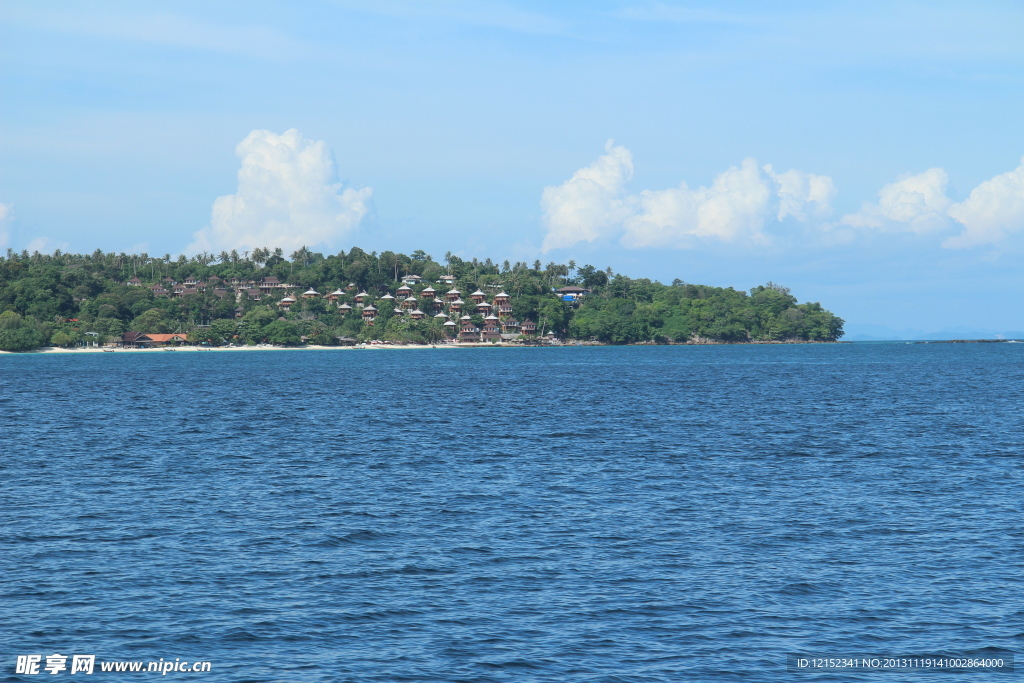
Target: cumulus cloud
{"x":288,"y":196}
{"x":993,"y":211}
{"x":919,"y":204}
{"x":737,"y":205}
{"x":591,"y":204}
{"x":914,"y":203}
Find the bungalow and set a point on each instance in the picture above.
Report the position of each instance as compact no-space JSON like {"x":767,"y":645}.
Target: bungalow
{"x":491,"y":332}
{"x":446,"y":280}
{"x":452,"y":295}
{"x":417,"y":314}
{"x":134,"y":282}
{"x":253,"y":294}
{"x":310,"y":294}
{"x":411,"y":279}
{"x":449,"y":329}
{"x":361,"y":298}
{"x":428,"y":293}
{"x":369,"y":313}
{"x":528,"y":327}
{"x":239,"y":312}
{"x":270,"y":282}
{"x":572,"y":294}
{"x":192,"y":281}
{"x":483,"y":308}
{"x":333,"y":296}
{"x":344,"y":308}
{"x":477,"y":296}
{"x":142,"y":340}
{"x":188,"y":291}
{"x":510,"y":325}
{"x":438,"y":304}
{"x":286,"y":303}
{"x":404,"y":291}
{"x":220,"y":292}
{"x":456,"y":306}
{"x":158,"y":290}
{"x":469,"y":333}
{"x":409,"y":303}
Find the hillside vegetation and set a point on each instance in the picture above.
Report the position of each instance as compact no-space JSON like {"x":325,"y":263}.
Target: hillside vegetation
{"x":65,"y":299}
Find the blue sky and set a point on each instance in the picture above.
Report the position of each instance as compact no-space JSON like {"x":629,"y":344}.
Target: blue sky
{"x":893,"y":134}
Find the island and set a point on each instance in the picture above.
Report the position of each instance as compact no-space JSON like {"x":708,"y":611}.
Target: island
{"x":261,"y":297}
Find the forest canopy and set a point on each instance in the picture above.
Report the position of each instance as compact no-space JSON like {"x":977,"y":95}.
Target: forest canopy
{"x":64,"y":299}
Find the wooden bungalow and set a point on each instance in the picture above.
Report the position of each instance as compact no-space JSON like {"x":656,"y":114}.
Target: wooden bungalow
{"x":510,"y":325}
{"x":361,"y":299}
{"x":310,"y":294}
{"x":452,"y":295}
{"x":134,"y":282}
{"x":403,"y":291}
{"x":286,"y":302}
{"x":477,"y":296}
{"x":344,"y":308}
{"x":369,"y":313}
{"x":469,"y":333}
{"x":428,"y":293}
{"x":410,"y":303}
{"x":270,"y":282}
{"x":491,"y":332}
{"x":528,"y":327}
{"x":417,"y":315}
{"x":335,"y":295}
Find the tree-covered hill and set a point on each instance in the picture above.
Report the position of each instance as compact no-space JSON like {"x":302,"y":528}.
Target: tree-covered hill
{"x":65,"y":299}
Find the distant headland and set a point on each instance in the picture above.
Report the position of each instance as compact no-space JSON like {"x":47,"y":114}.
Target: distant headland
{"x":248,"y":298}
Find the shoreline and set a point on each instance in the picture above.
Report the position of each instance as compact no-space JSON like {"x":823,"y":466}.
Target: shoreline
{"x":395,"y":347}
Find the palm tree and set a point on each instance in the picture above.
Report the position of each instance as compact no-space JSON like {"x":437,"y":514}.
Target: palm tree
{"x":572,"y":267}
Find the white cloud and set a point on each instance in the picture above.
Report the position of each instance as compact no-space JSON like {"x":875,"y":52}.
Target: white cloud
{"x":5,"y":219}
{"x":734,"y":208}
{"x":914,"y":203}
{"x":919,"y":204}
{"x":994,"y":210}
{"x":288,"y":196}
{"x":592,"y":203}
{"x":804,"y":196}
{"x":45,"y":245}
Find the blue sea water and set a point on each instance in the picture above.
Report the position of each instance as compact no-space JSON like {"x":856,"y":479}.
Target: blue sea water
{"x":632,"y":514}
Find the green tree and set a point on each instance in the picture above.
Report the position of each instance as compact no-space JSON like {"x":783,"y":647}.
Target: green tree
{"x":21,"y":333}
{"x":283,"y":333}
{"x":154,"y":320}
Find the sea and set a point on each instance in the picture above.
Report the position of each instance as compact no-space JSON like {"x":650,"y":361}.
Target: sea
{"x":577,"y":514}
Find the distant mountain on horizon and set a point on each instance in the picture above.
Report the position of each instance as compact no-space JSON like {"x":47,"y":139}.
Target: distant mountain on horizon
{"x":869,"y":332}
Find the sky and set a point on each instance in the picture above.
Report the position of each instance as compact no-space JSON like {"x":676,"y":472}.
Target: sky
{"x":869,"y":156}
